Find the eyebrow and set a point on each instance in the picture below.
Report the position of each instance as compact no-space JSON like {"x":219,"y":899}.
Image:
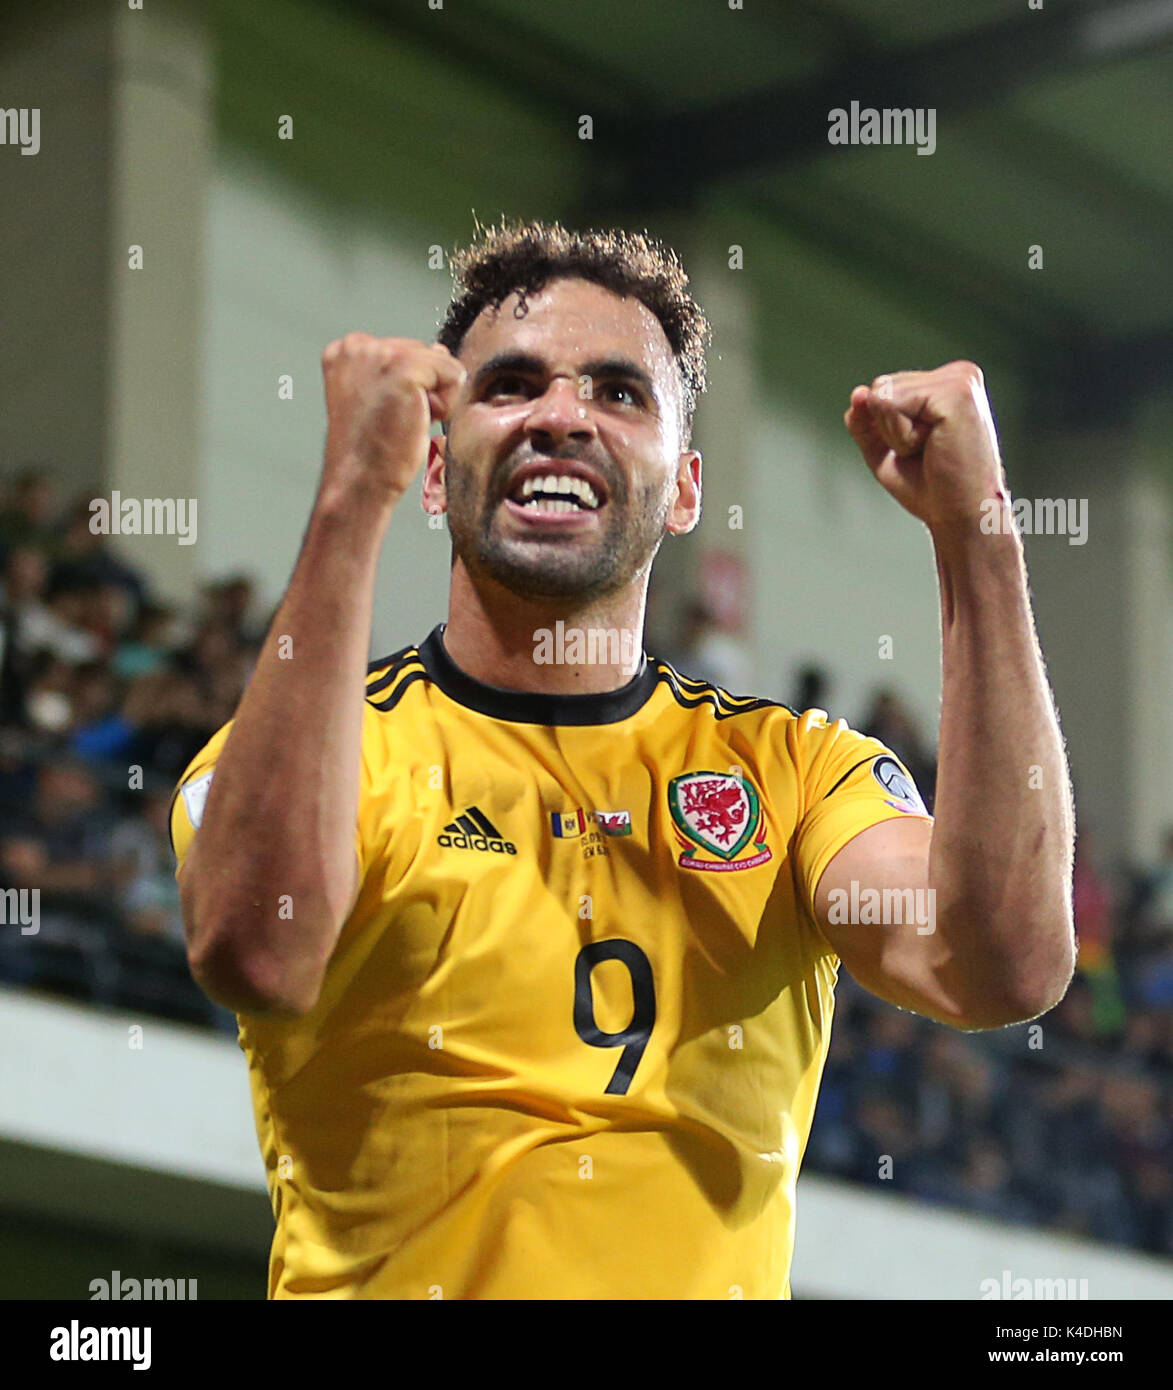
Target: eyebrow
{"x":604,"y":368}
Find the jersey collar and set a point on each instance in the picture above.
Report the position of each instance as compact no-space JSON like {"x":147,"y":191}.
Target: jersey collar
{"x":528,"y":706}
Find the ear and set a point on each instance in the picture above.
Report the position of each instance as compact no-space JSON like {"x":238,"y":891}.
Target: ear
{"x":434,"y":498}
{"x":686,"y":509}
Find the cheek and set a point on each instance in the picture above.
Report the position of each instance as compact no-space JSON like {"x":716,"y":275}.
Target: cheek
{"x":618,"y":440}
{"x":648,"y":505}
{"x":455,"y":488}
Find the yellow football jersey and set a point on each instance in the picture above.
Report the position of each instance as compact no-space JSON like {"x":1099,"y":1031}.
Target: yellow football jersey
{"x":570,"y":1040}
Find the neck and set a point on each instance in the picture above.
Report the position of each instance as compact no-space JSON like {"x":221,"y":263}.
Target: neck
{"x":499,"y":638}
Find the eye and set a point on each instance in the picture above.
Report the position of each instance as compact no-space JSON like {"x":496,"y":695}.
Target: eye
{"x":618,"y":387}
{"x":499,"y":386}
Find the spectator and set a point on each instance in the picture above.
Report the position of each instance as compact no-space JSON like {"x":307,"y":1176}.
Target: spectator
{"x":98,"y":728}
{"x":228,"y":604}
{"x":146,"y":648}
{"x":48,"y":705}
{"x":888,"y":1148}
{"x":30,"y":626}
{"x":85,"y":562}
{"x":172,"y":720}
{"x":58,"y":843}
{"x":143,"y":869}
{"x":889,"y":1055}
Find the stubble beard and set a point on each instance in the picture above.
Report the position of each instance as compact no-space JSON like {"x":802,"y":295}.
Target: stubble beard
{"x":549,"y":567}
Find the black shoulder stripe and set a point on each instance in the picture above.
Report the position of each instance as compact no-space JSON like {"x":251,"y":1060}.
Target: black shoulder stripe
{"x":850,"y":770}
{"x":400,"y":662}
{"x":170,"y":813}
{"x":397,"y":694}
{"x":693,"y":699}
{"x":179,"y":786}
{"x":727,"y":700}
{"x":396,"y":658}
{"x":699,"y":685}
{"x":724,"y":705}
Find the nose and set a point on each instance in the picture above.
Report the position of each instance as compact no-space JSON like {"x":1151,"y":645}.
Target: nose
{"x":559,"y":413}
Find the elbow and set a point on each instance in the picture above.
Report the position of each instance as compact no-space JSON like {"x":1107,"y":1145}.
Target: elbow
{"x":227,"y":963}
{"x":1024,"y":995}
{"x":248,"y":981}
{"x":250,"y":986}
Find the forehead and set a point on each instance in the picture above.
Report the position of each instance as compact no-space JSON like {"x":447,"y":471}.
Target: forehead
{"x":572,"y":321}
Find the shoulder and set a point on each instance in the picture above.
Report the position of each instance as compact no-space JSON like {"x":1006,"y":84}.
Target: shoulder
{"x":691,"y":692}
{"x":390,"y":676}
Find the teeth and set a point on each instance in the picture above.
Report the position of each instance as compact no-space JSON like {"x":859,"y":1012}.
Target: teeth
{"x":556,"y":505}
{"x":567,"y":486}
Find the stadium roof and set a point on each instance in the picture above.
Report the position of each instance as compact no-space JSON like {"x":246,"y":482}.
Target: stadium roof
{"x":1052,"y":129}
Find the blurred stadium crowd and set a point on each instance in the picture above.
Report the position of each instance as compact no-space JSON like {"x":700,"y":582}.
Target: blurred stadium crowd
{"x":106,"y":694}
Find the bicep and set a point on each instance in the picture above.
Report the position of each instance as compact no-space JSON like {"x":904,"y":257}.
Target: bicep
{"x":874,"y":906}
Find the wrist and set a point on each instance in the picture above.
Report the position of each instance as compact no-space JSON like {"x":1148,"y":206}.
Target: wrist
{"x":981,"y":574}
{"x":988,"y":539}
{"x":357,"y":506}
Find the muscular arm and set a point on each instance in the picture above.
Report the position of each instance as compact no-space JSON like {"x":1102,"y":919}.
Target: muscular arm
{"x":280,"y":815}
{"x":999,"y":857}
{"x":270,"y":877}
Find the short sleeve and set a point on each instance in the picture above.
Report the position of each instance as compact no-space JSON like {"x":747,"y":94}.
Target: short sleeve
{"x":191,"y":792}
{"x":850,"y":782}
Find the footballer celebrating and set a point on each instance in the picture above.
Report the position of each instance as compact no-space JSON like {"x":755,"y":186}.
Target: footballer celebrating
{"x":534,"y":960}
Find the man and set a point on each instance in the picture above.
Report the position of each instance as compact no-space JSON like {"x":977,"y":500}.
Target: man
{"x":534,"y":958}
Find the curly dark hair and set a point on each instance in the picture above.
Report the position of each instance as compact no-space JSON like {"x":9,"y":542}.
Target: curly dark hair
{"x":523,"y":257}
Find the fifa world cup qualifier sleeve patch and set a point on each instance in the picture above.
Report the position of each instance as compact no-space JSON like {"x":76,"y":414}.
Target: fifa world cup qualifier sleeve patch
{"x":901,"y":789}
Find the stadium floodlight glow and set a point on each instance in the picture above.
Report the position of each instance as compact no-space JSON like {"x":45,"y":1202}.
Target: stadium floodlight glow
{"x":1124,"y":27}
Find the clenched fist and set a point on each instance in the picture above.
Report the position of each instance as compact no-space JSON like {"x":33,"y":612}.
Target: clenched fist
{"x":929,"y":439}
{"x":382,"y":395}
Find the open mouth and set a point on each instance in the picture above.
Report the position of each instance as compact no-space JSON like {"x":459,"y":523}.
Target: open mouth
{"x":555,"y":494}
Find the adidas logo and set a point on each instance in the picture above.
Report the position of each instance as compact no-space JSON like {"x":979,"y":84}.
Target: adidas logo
{"x":474,"y":830}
